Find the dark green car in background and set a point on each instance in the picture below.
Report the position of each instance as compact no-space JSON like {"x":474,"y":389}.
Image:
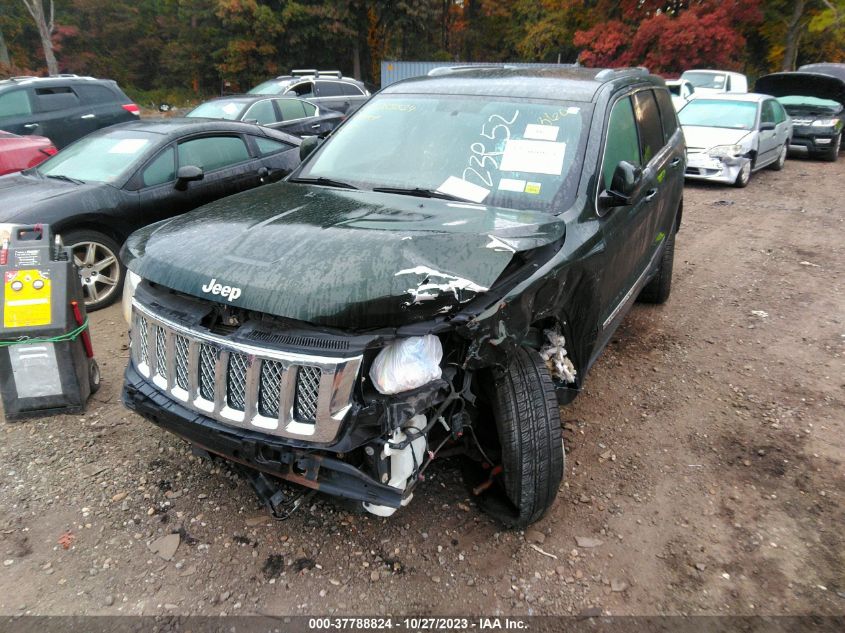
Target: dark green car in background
{"x":439,"y":274}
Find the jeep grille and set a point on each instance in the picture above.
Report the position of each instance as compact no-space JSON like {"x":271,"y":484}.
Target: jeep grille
{"x":280,"y":393}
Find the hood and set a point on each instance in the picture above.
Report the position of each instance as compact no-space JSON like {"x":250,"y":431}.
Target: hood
{"x":816,"y":85}
{"x":353,"y":259}
{"x":21,"y":195}
{"x":701,"y":137}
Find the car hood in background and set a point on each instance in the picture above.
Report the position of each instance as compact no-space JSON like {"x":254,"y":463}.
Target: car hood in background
{"x":701,"y":137}
{"x":816,"y":85}
{"x":353,"y":259}
{"x":23,"y":197}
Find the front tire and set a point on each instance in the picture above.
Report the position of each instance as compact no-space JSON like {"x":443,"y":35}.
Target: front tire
{"x":833,"y":155}
{"x":527,"y":416}
{"x":100,"y":270}
{"x":744,"y":176}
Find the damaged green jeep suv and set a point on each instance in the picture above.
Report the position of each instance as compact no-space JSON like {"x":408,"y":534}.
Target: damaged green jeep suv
{"x":436,"y":278}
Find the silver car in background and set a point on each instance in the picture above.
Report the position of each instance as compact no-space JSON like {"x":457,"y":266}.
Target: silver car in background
{"x":730,"y":136}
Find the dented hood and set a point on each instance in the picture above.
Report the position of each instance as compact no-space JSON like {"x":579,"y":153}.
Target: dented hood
{"x":354,"y":259}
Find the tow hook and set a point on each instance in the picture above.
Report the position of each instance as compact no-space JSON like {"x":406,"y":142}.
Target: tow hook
{"x":280,"y":505}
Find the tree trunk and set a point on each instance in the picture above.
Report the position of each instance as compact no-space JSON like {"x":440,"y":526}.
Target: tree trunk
{"x":356,"y":61}
{"x":45,"y":31}
{"x":4,"y":53}
{"x":794,"y":30}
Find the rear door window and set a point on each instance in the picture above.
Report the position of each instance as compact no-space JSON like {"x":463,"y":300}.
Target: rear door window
{"x":668,"y":118}
{"x":648,"y":122}
{"x":14,"y":103}
{"x":622,"y":142}
{"x":55,"y":98}
{"x":291,"y":109}
{"x":329,"y":89}
{"x":213,"y":152}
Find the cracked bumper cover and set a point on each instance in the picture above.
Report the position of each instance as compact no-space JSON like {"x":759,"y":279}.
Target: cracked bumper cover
{"x":309,"y":468}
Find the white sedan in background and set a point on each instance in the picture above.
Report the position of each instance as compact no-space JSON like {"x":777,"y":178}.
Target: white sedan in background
{"x":730,"y":136}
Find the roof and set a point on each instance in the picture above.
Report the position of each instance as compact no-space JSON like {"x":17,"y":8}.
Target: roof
{"x":712,"y":70}
{"x":253,"y":97}
{"x":754,"y":97}
{"x":574,"y":83}
{"x":179,"y":126}
{"x":26,"y":80}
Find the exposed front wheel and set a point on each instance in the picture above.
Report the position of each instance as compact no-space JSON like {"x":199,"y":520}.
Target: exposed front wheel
{"x":744,"y":176}
{"x":527,"y":418}
{"x":100,"y":270}
{"x":833,"y":154}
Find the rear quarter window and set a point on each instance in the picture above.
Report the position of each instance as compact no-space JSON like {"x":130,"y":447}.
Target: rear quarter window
{"x":94,"y":94}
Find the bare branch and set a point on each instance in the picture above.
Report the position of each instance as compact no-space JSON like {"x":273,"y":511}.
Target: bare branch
{"x":51,"y":23}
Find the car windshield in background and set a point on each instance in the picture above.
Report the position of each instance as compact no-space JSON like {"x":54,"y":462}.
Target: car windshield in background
{"x":512,"y":154}
{"x":272,"y":87}
{"x":806,"y":105}
{"x":705,"y":80}
{"x":738,"y":115}
{"x":99,"y":158}
{"x":221,"y":109}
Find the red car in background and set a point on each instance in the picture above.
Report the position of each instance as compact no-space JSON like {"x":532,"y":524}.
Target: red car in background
{"x":22,"y":152}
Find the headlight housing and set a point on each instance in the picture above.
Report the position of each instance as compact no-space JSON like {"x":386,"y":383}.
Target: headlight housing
{"x":726,"y":151}
{"x":824,"y":123}
{"x":129,"y":285}
{"x":407,"y":364}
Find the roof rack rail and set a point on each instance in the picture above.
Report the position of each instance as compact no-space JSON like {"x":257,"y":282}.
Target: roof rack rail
{"x":22,"y":77}
{"x":613,"y":73}
{"x":301,"y":72}
{"x":445,"y":70}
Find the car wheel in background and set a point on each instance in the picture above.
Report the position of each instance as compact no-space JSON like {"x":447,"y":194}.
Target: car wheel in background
{"x":744,"y":176}
{"x":779,"y":163}
{"x":833,"y":154}
{"x":100,"y":270}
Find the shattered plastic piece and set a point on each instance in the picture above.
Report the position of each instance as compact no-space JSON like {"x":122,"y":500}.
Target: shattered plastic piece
{"x":407,"y":364}
{"x":760,"y":313}
{"x":554,"y":354}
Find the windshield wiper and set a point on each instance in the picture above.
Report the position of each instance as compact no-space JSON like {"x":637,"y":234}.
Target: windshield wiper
{"x":327,"y":182}
{"x":420,"y":193}
{"x":75,"y":181}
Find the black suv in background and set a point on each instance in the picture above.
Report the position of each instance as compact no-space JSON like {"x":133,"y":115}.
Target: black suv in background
{"x":440,"y":273}
{"x":327,"y":88}
{"x":62,"y":108}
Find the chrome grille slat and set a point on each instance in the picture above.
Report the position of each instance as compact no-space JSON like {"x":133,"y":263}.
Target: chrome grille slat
{"x":288,"y":394}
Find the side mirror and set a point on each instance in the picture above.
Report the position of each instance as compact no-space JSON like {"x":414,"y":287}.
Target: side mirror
{"x":623,"y":186}
{"x":308,"y":145}
{"x":767,"y":125}
{"x":187,"y":174}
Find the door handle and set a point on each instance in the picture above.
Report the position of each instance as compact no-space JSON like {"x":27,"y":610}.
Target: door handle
{"x":675,"y":162}
{"x":31,"y":126}
{"x":650,"y":194}
{"x":88,"y":116}
{"x":316,"y":126}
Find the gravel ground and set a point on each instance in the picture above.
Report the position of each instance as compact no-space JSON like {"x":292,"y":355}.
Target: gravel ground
{"x":704,"y":474}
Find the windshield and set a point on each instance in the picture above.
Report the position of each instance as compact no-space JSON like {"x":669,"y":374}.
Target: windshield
{"x":506,"y":153}
{"x":101,"y":158}
{"x":705,"y":80}
{"x":800,"y":103}
{"x":272,"y":87}
{"x":219,"y":109}
{"x":738,"y":115}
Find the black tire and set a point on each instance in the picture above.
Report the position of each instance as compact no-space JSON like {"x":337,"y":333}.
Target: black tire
{"x":658,"y":289}
{"x":833,"y":155}
{"x":93,"y":376}
{"x":781,"y":161}
{"x":93,"y":250}
{"x":744,"y":176}
{"x":525,"y":409}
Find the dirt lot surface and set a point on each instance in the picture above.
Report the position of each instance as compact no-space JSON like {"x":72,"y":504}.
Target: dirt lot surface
{"x":705,"y":469}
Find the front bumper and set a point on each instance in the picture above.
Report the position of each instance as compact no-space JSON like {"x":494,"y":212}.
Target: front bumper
{"x":310,"y":468}
{"x":703,"y":167}
{"x":805,"y":144}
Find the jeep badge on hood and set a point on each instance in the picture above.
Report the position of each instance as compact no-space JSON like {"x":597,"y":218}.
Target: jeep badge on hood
{"x":219,"y":289}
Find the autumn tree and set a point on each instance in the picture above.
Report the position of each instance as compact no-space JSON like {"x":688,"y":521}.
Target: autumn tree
{"x":45,"y":24}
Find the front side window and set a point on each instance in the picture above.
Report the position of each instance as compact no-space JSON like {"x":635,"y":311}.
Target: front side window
{"x":738,"y":115}
{"x":504,"y":152}
{"x":648,"y":121}
{"x":101,"y":158}
{"x":261,"y":112}
{"x":213,"y":152}
{"x":622,"y":141}
{"x":14,"y":103}
{"x":161,"y":170}
{"x":304,"y":89}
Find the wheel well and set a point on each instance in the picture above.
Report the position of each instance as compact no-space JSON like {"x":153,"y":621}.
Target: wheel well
{"x":90,"y":226}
